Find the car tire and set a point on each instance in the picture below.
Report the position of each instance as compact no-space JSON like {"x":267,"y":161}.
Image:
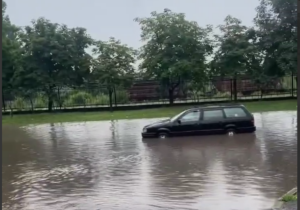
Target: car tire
{"x":162,"y":135}
{"x":230,"y":132}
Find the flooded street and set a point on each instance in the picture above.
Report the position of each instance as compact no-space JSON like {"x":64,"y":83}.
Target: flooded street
{"x":107,"y":166}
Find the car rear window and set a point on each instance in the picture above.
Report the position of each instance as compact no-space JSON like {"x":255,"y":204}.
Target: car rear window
{"x":235,"y":112}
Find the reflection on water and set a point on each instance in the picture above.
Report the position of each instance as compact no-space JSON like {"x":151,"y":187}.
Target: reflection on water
{"x":106,"y":165}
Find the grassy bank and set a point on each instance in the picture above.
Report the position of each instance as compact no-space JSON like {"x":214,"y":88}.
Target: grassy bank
{"x":260,"y":106}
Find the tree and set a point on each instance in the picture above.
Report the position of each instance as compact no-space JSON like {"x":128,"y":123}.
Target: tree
{"x":174,"y":48}
{"x":258,"y":64}
{"x":26,"y":84}
{"x":113,"y":65}
{"x":55,"y":55}
{"x":276,"y":23}
{"x":235,"y":49}
{"x":11,"y":54}
{"x":199,"y":83}
{"x":276,"y":38}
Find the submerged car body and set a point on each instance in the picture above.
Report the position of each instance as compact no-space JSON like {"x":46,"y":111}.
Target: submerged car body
{"x":219,"y":119}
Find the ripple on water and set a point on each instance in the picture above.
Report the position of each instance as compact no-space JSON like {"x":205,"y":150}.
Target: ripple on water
{"x":105,"y":165}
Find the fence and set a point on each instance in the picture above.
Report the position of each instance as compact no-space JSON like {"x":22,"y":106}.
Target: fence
{"x":148,"y":93}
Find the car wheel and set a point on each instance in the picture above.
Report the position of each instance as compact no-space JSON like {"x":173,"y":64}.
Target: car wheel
{"x":230,"y":132}
{"x":163,"y":135}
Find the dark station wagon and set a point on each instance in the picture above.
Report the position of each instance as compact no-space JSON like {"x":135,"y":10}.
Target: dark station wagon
{"x":220,"y":119}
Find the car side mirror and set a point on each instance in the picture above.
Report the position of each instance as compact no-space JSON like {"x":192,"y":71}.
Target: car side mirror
{"x":179,"y":121}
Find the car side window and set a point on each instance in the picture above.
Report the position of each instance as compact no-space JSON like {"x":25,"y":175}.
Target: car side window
{"x":191,"y":116}
{"x":213,"y":115}
{"x":234,"y":112}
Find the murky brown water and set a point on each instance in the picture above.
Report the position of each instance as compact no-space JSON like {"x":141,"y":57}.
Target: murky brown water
{"x":101,"y":165}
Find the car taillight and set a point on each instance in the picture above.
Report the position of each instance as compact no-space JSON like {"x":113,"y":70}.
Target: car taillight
{"x":252,"y":121}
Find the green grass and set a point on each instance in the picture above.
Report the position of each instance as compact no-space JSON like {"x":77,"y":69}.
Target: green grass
{"x":261,"y":106}
{"x":288,"y":198}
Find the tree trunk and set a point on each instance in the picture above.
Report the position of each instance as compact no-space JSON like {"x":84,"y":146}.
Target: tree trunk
{"x":296,"y":79}
{"x":235,"y":88}
{"x":115,"y":96}
{"x":50,"y":98}
{"x":171,"y":96}
{"x":59,"y":98}
{"x":231,"y":89}
{"x":31,"y":103}
{"x":11,"y":109}
{"x":3,"y":102}
{"x":110,"y":92}
{"x":50,"y":103}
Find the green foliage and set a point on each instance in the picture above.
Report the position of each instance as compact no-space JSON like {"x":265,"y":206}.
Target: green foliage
{"x":287,"y":83}
{"x":80,"y":98}
{"x":288,"y":198}
{"x":19,"y":103}
{"x":11,"y":51}
{"x":40,"y":101}
{"x":53,"y":54}
{"x":276,"y":21}
{"x":72,"y":99}
{"x":101,"y":99}
{"x":56,"y":53}
{"x":113,"y":65}
{"x":234,"y":51}
{"x":222,"y":95}
{"x":174,"y":48}
{"x":122,"y":97}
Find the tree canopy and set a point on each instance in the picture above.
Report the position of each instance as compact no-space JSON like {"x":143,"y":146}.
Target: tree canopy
{"x":174,"y":49}
{"x":113,"y":64}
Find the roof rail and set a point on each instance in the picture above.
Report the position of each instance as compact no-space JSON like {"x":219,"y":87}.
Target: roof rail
{"x":218,"y":105}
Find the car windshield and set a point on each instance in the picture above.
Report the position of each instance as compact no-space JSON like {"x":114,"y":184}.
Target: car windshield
{"x":175,"y":117}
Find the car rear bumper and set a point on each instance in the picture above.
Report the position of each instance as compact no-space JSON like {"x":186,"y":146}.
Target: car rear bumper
{"x":248,"y":129}
{"x":148,"y":135}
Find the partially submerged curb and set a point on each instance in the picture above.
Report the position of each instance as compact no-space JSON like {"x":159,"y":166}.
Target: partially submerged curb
{"x":279,"y":203}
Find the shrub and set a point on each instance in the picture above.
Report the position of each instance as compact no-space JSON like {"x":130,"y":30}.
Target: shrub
{"x":101,"y":99}
{"x":222,"y":95}
{"x":19,"y":103}
{"x":40,"y":101}
{"x":287,"y":83}
{"x":80,"y":98}
{"x":61,"y":96}
{"x":288,"y":198}
{"x":122,"y":97}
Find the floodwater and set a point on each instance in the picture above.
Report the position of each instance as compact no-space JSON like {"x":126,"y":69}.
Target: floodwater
{"x":107,"y":166}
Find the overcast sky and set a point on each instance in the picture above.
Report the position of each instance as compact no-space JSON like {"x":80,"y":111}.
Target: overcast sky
{"x":105,"y":18}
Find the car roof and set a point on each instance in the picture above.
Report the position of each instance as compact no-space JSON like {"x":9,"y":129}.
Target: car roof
{"x":213,"y":106}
